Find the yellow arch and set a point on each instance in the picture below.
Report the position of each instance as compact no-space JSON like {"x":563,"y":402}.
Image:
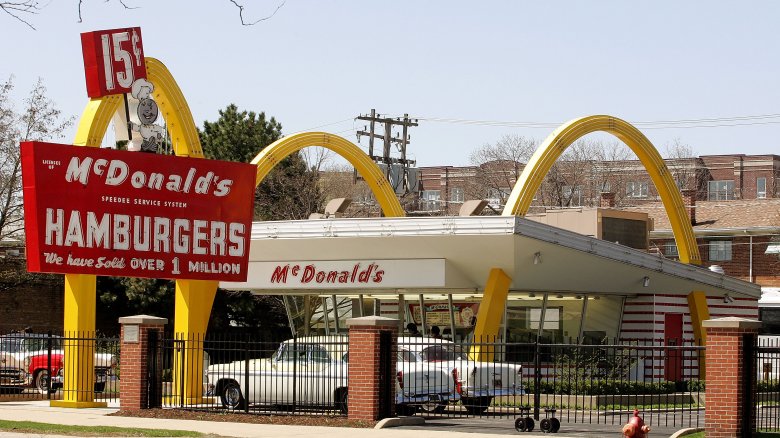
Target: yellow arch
{"x":539,"y":165}
{"x":271,"y":155}
{"x":194,"y":298}
{"x":556,"y":143}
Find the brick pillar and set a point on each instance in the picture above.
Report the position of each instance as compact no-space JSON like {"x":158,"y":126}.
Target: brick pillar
{"x":135,"y":360}
{"x":689,"y":202}
{"x":726,"y":377}
{"x":607,"y":200}
{"x":372,"y":375}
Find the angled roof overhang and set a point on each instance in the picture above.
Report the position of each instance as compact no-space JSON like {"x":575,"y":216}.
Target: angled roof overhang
{"x":455,"y":255}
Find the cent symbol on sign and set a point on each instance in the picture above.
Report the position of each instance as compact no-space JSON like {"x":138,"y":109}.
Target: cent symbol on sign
{"x":113,"y":60}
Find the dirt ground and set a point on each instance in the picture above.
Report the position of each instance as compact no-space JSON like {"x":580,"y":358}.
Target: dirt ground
{"x":297,"y":419}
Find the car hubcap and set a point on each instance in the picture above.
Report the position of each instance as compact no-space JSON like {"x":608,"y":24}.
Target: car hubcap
{"x":232,"y":395}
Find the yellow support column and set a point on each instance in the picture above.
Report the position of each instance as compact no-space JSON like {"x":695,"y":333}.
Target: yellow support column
{"x":194,"y":299}
{"x":79,"y":349}
{"x":700,"y":312}
{"x":491,"y":311}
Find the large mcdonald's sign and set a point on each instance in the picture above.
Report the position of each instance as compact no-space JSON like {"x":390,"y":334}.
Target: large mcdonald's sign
{"x":107,"y":212}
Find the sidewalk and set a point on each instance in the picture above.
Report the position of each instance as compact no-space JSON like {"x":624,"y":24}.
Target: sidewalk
{"x":40,"y":411}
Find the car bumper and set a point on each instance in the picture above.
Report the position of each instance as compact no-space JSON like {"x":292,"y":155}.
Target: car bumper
{"x":12,"y":378}
{"x":416,"y":399}
{"x":493,"y":392}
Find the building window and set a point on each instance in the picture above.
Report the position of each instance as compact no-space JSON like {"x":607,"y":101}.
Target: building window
{"x":496,"y":197}
{"x":720,"y":190}
{"x":761,"y":188}
{"x":670,"y":249}
{"x":431,"y":200}
{"x":636,"y":189}
{"x":456,"y":194}
{"x":572,"y":196}
{"x":720,"y":250}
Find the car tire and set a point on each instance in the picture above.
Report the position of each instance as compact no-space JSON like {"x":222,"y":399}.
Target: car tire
{"x":41,"y":382}
{"x":405,"y":410}
{"x":231,"y":396}
{"x":476,"y":405}
{"x":100,"y":386}
{"x":433,"y":407}
{"x":341,"y":398}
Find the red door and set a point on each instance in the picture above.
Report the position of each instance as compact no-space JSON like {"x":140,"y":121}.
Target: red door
{"x":673,"y":333}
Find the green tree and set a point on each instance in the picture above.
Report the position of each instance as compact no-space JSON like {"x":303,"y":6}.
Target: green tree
{"x":290,"y":191}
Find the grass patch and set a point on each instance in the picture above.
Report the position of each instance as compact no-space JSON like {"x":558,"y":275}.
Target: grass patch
{"x":61,"y":429}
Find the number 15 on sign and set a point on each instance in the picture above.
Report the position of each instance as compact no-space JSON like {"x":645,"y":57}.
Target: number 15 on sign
{"x":113,"y":60}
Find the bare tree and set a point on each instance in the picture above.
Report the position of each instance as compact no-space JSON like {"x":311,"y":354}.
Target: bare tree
{"x":39,"y":120}
{"x":498,"y":167}
{"x":687,"y":170}
{"x":21,"y":10}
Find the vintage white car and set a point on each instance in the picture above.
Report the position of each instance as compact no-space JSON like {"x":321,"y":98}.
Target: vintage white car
{"x":475,"y":382}
{"x":313,"y":371}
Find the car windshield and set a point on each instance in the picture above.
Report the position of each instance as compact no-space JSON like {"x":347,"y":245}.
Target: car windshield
{"x":443,"y":352}
{"x":41,"y":344}
{"x":302,"y":352}
{"x":9,"y":345}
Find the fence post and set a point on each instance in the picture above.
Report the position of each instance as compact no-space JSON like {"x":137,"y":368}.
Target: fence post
{"x":371,"y":392}
{"x":135,"y":361}
{"x":537,"y":378}
{"x":728,"y":377}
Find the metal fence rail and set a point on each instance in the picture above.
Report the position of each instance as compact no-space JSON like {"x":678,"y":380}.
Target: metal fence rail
{"x":766,"y":397}
{"x":572,"y":382}
{"x":246,"y":375}
{"x":528,"y":381}
{"x":33,"y":366}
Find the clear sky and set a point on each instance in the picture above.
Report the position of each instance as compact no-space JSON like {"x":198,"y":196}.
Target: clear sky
{"x":323,"y":62}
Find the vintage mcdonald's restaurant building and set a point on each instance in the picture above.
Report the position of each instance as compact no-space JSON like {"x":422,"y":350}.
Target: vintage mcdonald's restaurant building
{"x":100,"y":212}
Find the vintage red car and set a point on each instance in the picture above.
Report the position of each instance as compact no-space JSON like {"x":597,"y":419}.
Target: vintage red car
{"x":39,"y":369}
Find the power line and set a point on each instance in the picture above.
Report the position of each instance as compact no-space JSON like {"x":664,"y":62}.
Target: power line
{"x":749,"y":120}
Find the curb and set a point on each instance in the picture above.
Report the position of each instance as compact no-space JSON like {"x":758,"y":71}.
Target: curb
{"x":400,"y":421}
{"x":683,"y":432}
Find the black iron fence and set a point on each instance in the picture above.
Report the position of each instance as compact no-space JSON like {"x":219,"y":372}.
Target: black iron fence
{"x":304,"y":375}
{"x":34,"y":366}
{"x":765,"y":403}
{"x":570,"y":382}
{"x":536,"y":383}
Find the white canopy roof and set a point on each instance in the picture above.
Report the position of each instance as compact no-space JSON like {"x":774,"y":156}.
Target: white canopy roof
{"x":455,"y":255}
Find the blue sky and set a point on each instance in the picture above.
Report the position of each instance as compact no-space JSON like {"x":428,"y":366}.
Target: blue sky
{"x":323,"y":62}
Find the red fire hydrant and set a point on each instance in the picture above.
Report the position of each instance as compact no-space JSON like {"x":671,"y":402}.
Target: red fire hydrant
{"x":636,"y":427}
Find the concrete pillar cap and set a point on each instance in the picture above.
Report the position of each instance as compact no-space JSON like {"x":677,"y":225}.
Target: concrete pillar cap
{"x":143,"y":320}
{"x":372,"y":321}
{"x":732,"y":322}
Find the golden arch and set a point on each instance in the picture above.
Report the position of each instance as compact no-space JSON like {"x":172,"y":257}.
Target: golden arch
{"x":539,"y":165}
{"x":545,"y":156}
{"x":193,"y":297}
{"x":274,"y":153}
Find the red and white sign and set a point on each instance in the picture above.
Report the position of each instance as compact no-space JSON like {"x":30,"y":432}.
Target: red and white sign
{"x":107,"y":212}
{"x":113,"y":60}
{"x":344,"y":274}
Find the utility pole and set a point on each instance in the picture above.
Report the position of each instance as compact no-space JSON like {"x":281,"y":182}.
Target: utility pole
{"x":388,"y":139}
